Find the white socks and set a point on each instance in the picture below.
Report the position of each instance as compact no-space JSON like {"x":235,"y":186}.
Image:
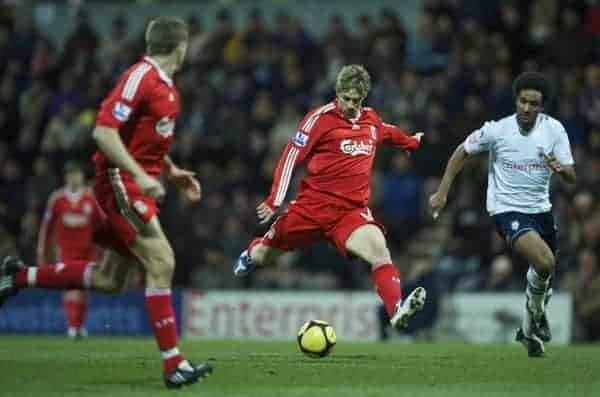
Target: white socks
{"x":536,"y":291}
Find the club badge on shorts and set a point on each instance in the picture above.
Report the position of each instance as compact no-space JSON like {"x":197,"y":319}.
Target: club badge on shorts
{"x":515,"y":225}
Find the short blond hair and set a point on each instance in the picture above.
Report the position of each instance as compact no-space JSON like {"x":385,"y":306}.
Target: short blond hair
{"x":164,"y":34}
{"x":353,"y":77}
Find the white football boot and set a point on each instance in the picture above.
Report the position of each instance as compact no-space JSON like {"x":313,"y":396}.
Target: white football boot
{"x":407,"y":307}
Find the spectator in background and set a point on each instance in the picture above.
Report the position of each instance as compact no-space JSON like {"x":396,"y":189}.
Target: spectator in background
{"x":113,"y":55}
{"x":65,"y":132}
{"x":401,"y":199}
{"x":41,"y":182}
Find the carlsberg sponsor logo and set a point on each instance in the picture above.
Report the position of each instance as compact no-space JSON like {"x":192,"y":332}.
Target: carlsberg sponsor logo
{"x":356,"y":148}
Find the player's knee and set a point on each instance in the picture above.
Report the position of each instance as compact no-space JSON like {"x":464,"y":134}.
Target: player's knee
{"x":547,"y":263}
{"x":377,"y":252}
{"x":162,"y":263}
{"x":104,"y":283}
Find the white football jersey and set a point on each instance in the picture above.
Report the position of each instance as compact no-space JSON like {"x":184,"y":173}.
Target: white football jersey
{"x":518,"y":178}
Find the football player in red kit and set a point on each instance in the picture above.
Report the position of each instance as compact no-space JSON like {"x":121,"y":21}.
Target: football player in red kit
{"x":338,"y":141}
{"x":67,"y":230}
{"x":134,"y":130}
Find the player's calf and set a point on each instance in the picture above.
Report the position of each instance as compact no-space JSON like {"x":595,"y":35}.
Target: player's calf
{"x":542,"y":329}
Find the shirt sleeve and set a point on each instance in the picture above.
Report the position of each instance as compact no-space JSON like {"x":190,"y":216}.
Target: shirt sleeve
{"x":481,"y":140}
{"x":297,"y":149}
{"x":124,"y":99}
{"x":396,"y":136}
{"x":562,"y":148}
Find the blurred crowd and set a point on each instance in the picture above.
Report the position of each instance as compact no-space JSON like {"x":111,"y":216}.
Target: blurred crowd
{"x":246,"y":86}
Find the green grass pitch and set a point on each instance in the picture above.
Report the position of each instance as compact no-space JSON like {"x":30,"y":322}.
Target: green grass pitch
{"x":45,"y":366}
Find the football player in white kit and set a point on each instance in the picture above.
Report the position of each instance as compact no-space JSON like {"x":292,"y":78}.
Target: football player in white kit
{"x":525,"y":149}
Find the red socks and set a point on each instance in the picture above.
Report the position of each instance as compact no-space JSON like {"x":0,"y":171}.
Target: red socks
{"x":387,"y":283}
{"x":253,"y":243}
{"x":74,"y":275}
{"x":162,"y":320}
{"x":75,"y":311}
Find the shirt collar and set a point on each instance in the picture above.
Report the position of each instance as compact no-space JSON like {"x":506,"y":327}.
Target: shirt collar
{"x":73,"y":196}
{"x":161,"y":72}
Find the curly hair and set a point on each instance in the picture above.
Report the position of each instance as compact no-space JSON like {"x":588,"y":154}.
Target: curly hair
{"x":353,"y":77}
{"x":533,"y":81}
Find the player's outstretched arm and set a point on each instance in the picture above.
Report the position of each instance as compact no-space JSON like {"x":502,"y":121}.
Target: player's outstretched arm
{"x":437,"y":201}
{"x":396,"y":136}
{"x":110,"y":143}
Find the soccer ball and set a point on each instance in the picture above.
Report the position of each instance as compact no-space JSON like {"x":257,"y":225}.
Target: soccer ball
{"x":316,"y":338}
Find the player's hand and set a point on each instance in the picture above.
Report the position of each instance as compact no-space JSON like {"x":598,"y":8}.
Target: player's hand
{"x":150,"y":186}
{"x":264,"y":213}
{"x":418,"y":137}
{"x":552,"y":163}
{"x":437,"y":202}
{"x":186,"y":181}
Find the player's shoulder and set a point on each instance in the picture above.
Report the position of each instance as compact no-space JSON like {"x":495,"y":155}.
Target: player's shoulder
{"x":504,"y":122}
{"x":317,"y":116}
{"x":138,"y":70}
{"x":552,"y":124}
{"x":499,"y":126}
{"x":56,"y":196}
{"x":370,"y":111}
{"x":141,"y":74}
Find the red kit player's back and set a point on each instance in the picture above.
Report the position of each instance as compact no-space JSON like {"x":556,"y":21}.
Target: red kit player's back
{"x":143,"y":107}
{"x":69,"y":220}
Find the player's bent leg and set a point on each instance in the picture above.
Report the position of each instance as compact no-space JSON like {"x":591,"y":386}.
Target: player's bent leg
{"x":536,"y":251}
{"x":14,"y":275}
{"x":154,"y":252}
{"x":114,"y":273}
{"x":368,"y":243}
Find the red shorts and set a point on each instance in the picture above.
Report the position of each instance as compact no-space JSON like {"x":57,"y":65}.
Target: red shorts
{"x":125,"y":207}
{"x":300,"y":226}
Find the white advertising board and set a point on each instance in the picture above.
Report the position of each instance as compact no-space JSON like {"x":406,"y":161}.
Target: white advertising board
{"x":277,"y":315}
{"x":474,"y":317}
{"x":469,"y":317}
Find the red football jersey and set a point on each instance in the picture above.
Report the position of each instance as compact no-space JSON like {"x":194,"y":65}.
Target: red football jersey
{"x":69,"y":222}
{"x":340,"y":155}
{"x":143,"y":107}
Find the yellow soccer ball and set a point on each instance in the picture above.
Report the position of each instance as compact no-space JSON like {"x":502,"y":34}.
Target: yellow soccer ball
{"x":316,"y":338}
